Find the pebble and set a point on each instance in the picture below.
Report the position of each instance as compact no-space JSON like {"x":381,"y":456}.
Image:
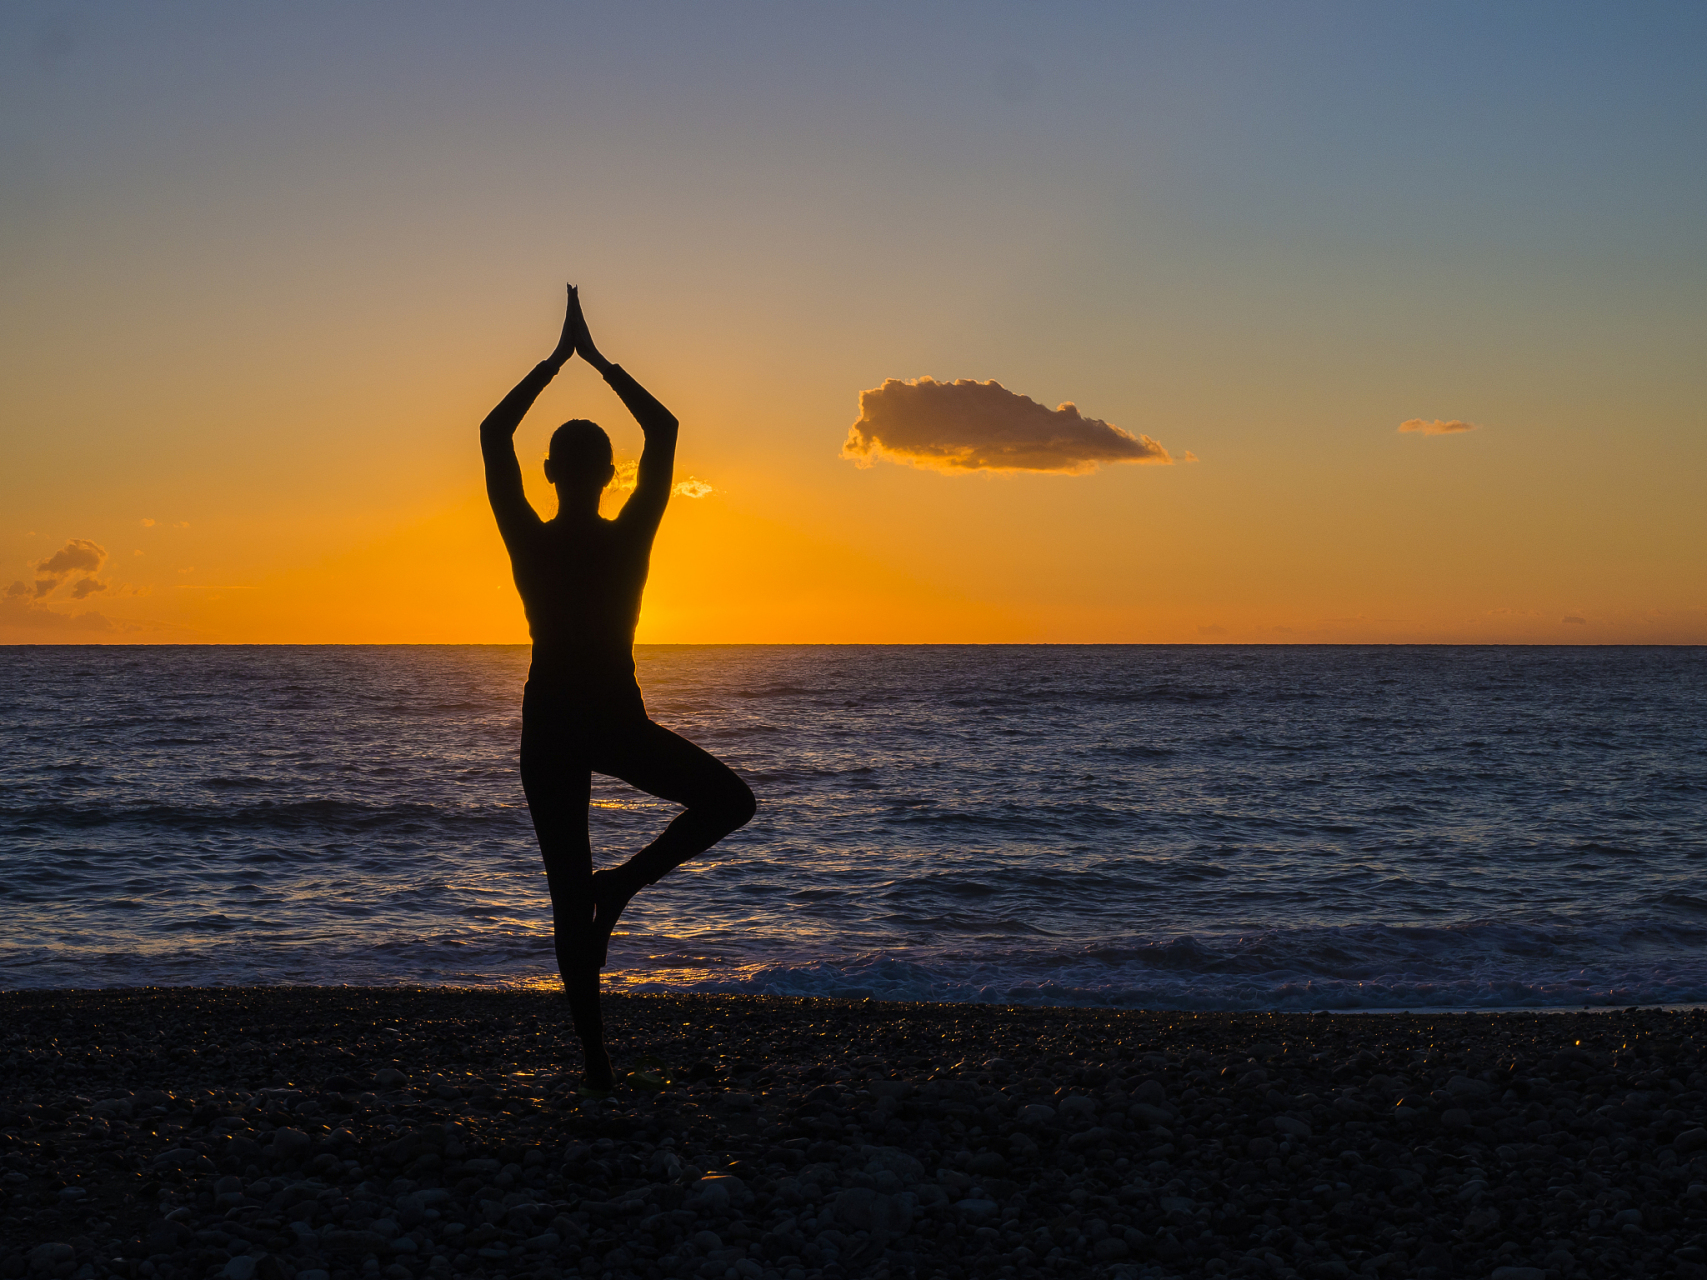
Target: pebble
{"x":300,"y":1134}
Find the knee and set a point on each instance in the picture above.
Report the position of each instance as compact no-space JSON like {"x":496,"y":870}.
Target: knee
{"x":738,"y":806}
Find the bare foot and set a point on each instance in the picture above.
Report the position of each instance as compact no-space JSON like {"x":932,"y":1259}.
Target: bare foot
{"x":610,"y":896}
{"x":598,"y":1074}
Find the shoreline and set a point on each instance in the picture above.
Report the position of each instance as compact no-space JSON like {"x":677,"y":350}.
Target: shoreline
{"x":181,"y":1133}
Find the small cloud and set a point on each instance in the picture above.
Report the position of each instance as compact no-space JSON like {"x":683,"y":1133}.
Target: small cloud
{"x":17,"y":589}
{"x":627,"y":473}
{"x":147,"y":523}
{"x":1423,"y":426}
{"x":963,"y":426}
{"x":1189,"y":456}
{"x":1575,"y":621}
{"x":83,"y":588}
{"x":45,"y":586}
{"x":79,"y":553}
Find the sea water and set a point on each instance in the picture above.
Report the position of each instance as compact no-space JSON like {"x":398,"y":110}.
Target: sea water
{"x":1149,"y":827}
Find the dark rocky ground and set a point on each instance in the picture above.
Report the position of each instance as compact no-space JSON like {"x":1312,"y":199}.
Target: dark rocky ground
{"x":332,"y":1134}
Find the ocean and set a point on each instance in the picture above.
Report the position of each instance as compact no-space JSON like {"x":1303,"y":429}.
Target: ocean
{"x":1293,"y":828}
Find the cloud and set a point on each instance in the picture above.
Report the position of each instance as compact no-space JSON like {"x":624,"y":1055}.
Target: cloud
{"x":79,"y":553}
{"x":15,"y":611}
{"x":1575,"y":621}
{"x":626,"y":473}
{"x":77,"y":556}
{"x":964,"y":426}
{"x":147,"y":523}
{"x":1436,"y":428}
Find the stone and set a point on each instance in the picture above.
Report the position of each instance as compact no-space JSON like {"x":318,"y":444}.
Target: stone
{"x":390,"y":1078}
{"x":1077,"y":1105}
{"x":1463,"y":1087}
{"x":896,"y":1089}
{"x":288,"y":1143}
{"x":45,"y":1257}
{"x":1260,"y":1148}
{"x":988,"y":1164}
{"x":313,"y":1275}
{"x":356,"y":1243}
{"x":1518,"y":1273}
{"x":1151,"y":1092}
{"x":242,"y":1267}
{"x":862,"y":1209}
{"x":1689,"y":1140}
{"x":1109,"y":1248}
{"x":1291,"y":1127}
{"x":976,"y":1210}
{"x":1036,"y":1113}
{"x":1152,"y":1115}
{"x":1455,"y":1118}
{"x":1264,"y":1049}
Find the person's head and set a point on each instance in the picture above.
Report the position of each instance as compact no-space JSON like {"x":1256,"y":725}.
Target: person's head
{"x":580,"y":456}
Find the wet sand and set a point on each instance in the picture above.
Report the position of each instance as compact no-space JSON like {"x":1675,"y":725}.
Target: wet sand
{"x":348,"y":1132}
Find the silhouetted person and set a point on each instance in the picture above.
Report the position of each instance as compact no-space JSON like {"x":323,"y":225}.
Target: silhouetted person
{"x":581,"y":577}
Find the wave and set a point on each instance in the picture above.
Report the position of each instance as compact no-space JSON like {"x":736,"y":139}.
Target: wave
{"x":1489,"y":964}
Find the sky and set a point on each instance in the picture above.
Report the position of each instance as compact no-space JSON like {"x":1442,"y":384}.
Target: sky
{"x":267,"y":267}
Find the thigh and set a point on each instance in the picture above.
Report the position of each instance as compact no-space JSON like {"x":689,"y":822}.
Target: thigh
{"x":558,"y":782}
{"x":664,"y":764}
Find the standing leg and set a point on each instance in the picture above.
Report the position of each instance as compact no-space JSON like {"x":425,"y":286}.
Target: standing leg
{"x":648,"y":756}
{"x":558,"y":786}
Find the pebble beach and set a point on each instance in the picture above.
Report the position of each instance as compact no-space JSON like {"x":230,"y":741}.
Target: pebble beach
{"x":365,"y":1133}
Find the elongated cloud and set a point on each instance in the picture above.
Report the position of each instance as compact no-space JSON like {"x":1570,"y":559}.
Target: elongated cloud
{"x":628,"y":472}
{"x":1436,"y":428}
{"x":965,"y":426}
{"x":78,"y":555}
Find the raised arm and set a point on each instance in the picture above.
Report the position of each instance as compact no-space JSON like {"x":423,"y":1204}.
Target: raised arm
{"x":497,"y":432}
{"x":645,"y":506}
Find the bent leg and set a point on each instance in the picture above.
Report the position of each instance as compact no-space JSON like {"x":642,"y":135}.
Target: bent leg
{"x":558,"y":787}
{"x":652,"y":759}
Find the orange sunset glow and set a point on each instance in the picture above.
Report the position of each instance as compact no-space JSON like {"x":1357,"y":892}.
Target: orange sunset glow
{"x":1150,"y":343}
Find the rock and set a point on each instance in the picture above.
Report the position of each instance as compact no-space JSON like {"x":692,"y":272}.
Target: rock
{"x":976,"y":1210}
{"x":1292,"y":1128}
{"x":718,"y":1193}
{"x":1151,"y":1114}
{"x":242,"y":1267}
{"x":45,"y":1257}
{"x":1150,"y":1092}
{"x":313,"y":1275}
{"x":1456,"y":1118}
{"x":1462,"y":1087}
{"x":988,"y":1164}
{"x":896,"y":1089}
{"x":390,"y":1078}
{"x":1264,"y":1049}
{"x":1036,"y":1113}
{"x":290,"y":1143}
{"x":1689,"y":1140}
{"x":1518,"y":1273}
{"x":355,"y":1242}
{"x":1481,"y":1220}
{"x":862,"y":1209}
{"x":1077,"y":1105}
{"x":1175,"y":1204}
{"x":1260,"y":1148}
{"x":1109,"y":1248}
{"x":897,"y":1162}
{"x":1628,"y":1218}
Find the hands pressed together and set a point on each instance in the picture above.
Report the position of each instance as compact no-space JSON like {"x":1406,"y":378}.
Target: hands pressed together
{"x":576,"y":339}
